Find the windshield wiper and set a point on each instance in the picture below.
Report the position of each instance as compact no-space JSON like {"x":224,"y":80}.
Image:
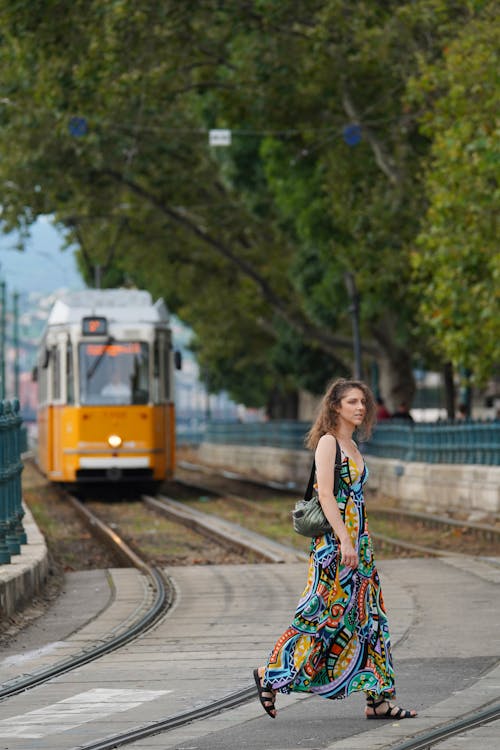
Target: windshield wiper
{"x":93,"y":367}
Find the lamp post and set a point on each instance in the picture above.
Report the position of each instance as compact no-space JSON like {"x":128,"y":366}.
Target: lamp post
{"x":15,"y":298}
{"x":3,"y":322}
{"x":354,"y":310}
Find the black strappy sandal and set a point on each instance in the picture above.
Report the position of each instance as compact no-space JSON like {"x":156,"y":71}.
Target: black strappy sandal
{"x":264,"y":691}
{"x":392,"y":712}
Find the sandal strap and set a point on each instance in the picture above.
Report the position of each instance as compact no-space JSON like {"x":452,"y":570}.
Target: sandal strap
{"x":401,"y":713}
{"x":394,"y":712}
{"x":375,"y":702}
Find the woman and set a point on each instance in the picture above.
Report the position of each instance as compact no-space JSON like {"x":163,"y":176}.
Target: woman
{"x":338,"y":642}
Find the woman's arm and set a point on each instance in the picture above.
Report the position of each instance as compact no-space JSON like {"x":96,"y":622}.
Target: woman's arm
{"x":325,"y":462}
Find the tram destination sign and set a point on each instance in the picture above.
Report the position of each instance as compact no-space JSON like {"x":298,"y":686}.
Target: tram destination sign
{"x":94,"y":326}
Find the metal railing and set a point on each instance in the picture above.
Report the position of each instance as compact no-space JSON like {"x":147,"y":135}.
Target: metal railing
{"x":470,"y":442}
{"x":283,"y":433}
{"x":12,"y":533}
{"x":467,"y":442}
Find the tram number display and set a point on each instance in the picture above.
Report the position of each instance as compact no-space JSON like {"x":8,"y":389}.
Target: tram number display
{"x":112,"y":350}
{"x":94,"y":327}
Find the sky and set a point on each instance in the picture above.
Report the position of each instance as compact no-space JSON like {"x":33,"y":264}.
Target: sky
{"x":42,"y":266}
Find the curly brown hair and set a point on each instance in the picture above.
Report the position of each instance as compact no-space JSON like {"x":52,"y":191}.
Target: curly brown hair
{"x":327,"y":418}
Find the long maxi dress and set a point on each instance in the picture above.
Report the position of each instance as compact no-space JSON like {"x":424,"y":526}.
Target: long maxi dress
{"x":338,"y":642}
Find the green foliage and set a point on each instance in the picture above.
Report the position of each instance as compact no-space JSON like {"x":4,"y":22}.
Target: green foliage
{"x":250,"y":244}
{"x":457,"y":261}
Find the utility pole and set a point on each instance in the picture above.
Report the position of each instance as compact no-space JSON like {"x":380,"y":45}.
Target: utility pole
{"x":15,"y":298}
{"x":3,"y":321}
{"x":354,"y":310}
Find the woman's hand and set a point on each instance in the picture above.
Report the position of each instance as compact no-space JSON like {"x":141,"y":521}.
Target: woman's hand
{"x":349,"y":556}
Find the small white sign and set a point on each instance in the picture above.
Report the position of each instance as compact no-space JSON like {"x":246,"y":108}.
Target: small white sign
{"x":219,"y":137}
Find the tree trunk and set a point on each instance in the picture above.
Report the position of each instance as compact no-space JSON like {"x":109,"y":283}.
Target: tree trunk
{"x":397,"y":384}
{"x":449,"y":389}
{"x":282,"y":405}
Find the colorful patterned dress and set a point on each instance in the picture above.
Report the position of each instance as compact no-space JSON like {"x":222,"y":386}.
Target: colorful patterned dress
{"x":338,"y":642}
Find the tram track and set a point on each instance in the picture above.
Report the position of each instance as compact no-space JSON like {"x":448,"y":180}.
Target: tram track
{"x":162,"y":599}
{"x":160,"y":586}
{"x":426,"y":740}
{"x":423,"y":741}
{"x":489,"y":533}
{"x":434,"y":737}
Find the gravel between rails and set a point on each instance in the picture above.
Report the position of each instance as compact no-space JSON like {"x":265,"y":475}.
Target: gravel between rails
{"x":266,"y":511}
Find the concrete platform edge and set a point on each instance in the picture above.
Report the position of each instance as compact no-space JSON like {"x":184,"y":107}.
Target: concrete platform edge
{"x":24,"y":577}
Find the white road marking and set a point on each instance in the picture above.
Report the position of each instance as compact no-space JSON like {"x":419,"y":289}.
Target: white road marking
{"x":71,"y":712}
{"x":16,"y":659}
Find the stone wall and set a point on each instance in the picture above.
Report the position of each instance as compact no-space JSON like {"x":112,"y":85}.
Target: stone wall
{"x":418,"y":486}
{"x":24,"y":577}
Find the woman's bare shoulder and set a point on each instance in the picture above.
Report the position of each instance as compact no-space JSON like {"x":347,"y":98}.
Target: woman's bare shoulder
{"x":326,"y":444}
{"x":327,"y":438}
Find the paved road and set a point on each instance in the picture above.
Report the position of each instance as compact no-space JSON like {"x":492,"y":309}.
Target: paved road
{"x":444,"y":618}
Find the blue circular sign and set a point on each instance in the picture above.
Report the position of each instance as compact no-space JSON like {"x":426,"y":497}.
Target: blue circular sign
{"x":78,"y":126}
{"x":352,"y":134}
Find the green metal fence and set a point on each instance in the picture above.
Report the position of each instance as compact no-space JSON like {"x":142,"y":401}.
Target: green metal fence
{"x":437,"y":443}
{"x":12,"y":533}
{"x":470,"y":442}
{"x":277,"y":433}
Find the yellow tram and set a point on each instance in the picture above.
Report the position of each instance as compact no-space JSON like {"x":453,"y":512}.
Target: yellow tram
{"x":105,"y":387}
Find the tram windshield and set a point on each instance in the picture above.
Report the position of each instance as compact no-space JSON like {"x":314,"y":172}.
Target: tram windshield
{"x":114,"y":373}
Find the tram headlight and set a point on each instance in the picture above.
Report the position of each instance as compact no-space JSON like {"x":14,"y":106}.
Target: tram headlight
{"x":114,"y":441}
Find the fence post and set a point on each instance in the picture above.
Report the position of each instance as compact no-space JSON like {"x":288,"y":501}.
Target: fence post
{"x":17,"y":471}
{"x":9,"y":470}
{"x":4,"y":506}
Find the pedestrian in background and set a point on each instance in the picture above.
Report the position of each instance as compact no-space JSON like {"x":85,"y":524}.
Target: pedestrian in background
{"x":382,"y":410}
{"x":338,"y":642}
{"x":403,"y":412}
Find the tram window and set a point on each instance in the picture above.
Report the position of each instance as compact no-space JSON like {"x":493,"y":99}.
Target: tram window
{"x":157,"y":390}
{"x":42,"y":385}
{"x":166,"y":370}
{"x":161,"y":369}
{"x":70,"y":389}
{"x":55,"y":361}
{"x":114,"y":373}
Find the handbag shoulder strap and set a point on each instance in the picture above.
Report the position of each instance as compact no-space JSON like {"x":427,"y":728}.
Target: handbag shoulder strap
{"x":338,"y":466}
{"x":336,"y":474}
{"x":310,"y":484}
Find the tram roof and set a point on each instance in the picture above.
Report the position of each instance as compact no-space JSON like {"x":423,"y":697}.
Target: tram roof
{"x":118,"y":305}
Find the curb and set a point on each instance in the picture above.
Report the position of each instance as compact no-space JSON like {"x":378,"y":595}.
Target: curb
{"x":24,"y":577}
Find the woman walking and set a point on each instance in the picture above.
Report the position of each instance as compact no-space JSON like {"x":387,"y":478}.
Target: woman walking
{"x":338,"y":642}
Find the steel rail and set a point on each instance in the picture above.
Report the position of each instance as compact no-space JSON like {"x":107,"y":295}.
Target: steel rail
{"x":393,"y":541}
{"x":423,"y":741}
{"x":428,"y":519}
{"x":163,"y":600}
{"x":237,"y":698}
{"x":429,"y":739}
{"x":172,"y":722}
{"x":223,"y":532}
{"x":431,"y":519}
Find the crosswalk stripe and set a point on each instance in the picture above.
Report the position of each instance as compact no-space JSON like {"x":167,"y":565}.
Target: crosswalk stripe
{"x":71,"y":712}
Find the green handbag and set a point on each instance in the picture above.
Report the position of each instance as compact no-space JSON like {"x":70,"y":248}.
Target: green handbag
{"x":307,"y":516}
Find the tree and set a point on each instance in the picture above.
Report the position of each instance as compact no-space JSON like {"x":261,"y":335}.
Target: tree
{"x":342,"y":163}
{"x":456,"y":259}
{"x":251,"y":245}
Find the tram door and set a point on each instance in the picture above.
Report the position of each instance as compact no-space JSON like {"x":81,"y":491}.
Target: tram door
{"x":53,"y":409}
{"x":164,"y":416}
{"x":60,"y":366}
